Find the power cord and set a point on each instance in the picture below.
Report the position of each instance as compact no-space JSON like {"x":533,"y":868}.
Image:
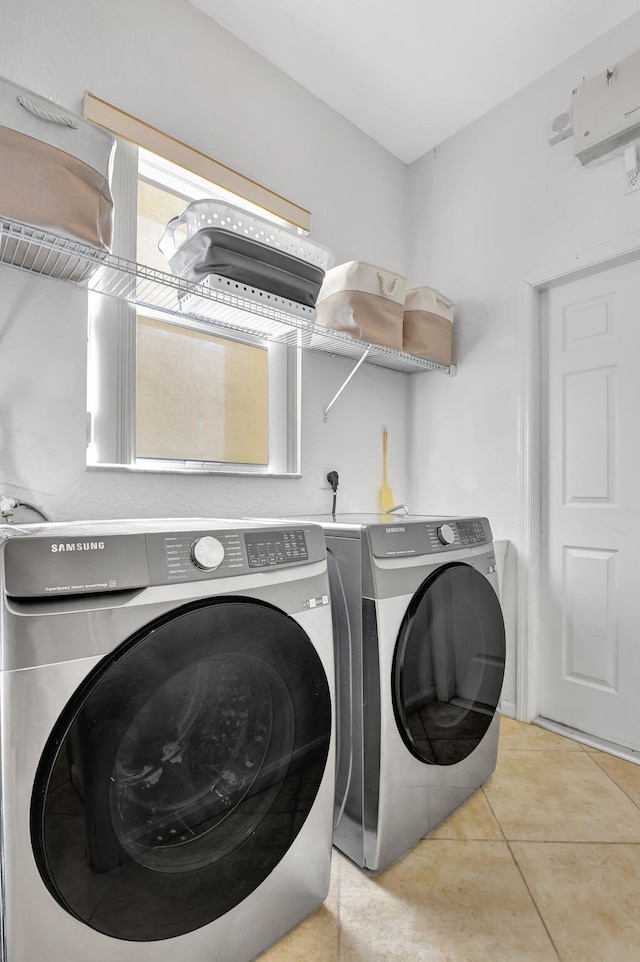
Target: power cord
{"x":333,"y":479}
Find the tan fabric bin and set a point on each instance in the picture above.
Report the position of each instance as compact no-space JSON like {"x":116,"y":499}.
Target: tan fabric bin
{"x":364,"y":301}
{"x":428,"y":325}
{"x":56,"y":176}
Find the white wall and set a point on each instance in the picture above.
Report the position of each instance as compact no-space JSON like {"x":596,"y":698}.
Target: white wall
{"x":165,"y":62}
{"x":488,"y":207}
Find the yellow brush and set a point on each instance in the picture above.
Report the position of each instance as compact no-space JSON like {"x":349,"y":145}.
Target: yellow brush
{"x":386,"y":494}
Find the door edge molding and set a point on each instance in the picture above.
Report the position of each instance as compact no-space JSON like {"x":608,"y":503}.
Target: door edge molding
{"x":613,"y":253}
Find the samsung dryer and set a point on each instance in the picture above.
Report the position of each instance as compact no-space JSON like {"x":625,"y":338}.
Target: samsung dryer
{"x":420,"y":650}
{"x":166,"y":741}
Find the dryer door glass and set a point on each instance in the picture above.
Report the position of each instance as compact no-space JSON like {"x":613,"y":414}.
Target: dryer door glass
{"x":183,"y":770}
{"x":449,"y":665}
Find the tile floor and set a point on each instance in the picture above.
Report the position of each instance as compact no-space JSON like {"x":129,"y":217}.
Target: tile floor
{"x":540,"y":865}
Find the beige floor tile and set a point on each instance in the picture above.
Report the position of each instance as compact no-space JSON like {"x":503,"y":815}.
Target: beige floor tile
{"x":316,"y":939}
{"x":588,"y":896}
{"x":446,"y":901}
{"x":559,"y":796}
{"x":474,"y":819}
{"x":522,"y":737}
{"x":625,"y":774}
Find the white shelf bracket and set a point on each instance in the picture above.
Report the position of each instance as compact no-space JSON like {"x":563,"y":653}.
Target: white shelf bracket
{"x":339,"y":392}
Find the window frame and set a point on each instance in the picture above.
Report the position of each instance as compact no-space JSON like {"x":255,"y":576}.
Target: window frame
{"x":111,"y":376}
{"x":127,"y":127}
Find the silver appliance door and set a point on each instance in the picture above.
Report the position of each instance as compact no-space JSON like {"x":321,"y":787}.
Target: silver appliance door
{"x":448,"y":665}
{"x":182,"y":770}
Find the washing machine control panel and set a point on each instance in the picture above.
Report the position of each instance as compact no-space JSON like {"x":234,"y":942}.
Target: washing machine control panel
{"x":268,"y":548}
{"x":80,"y":563}
{"x":193,"y":556}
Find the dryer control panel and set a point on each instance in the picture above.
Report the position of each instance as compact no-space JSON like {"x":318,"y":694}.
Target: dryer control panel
{"x":405,"y":538}
{"x":472,"y":531}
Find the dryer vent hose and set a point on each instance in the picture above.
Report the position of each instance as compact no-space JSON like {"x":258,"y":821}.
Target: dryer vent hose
{"x":9,"y":505}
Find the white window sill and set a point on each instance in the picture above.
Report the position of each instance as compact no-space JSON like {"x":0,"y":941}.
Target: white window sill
{"x":219,"y":472}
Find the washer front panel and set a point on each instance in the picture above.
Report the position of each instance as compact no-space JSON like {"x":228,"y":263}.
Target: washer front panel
{"x":182,"y":770}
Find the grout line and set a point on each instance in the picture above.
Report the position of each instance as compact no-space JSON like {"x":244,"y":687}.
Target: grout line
{"x":570,"y":841}
{"x":617,"y":784}
{"x":540,"y":751}
{"x":558,"y":841}
{"x":463,"y":841}
{"x":536,"y":906}
{"x":493,"y":813}
{"x":505,"y":841}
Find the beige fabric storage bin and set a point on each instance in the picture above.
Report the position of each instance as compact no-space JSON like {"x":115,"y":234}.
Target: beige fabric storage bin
{"x":428,"y":325}
{"x":364,"y":301}
{"x":56,"y":176}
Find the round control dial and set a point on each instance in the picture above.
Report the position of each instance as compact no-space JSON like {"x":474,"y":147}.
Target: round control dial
{"x":446,"y":534}
{"x":207,"y":553}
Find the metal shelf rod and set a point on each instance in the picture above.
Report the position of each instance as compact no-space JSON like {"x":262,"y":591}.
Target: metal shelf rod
{"x":339,"y":392}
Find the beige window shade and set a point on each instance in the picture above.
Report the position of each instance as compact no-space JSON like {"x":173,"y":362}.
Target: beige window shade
{"x":200,"y":397}
{"x":138,"y":132}
{"x":156,"y":207}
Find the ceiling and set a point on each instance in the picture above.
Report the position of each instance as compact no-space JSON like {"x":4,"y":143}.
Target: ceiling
{"x":411,"y":73}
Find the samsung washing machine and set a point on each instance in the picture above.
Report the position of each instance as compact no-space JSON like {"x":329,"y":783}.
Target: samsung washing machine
{"x":166,"y":739}
{"x":420,"y":650}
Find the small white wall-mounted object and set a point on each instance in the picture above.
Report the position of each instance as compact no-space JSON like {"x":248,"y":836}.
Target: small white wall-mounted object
{"x":631,"y":167}
{"x":560,"y":127}
{"x":606,"y":111}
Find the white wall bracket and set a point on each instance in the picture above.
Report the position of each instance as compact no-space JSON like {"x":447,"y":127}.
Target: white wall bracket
{"x":344,"y":384}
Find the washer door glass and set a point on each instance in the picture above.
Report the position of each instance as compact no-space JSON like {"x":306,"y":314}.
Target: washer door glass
{"x":449,"y":665}
{"x":183,"y":770}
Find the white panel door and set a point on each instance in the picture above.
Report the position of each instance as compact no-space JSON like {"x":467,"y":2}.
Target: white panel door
{"x":590,"y":519}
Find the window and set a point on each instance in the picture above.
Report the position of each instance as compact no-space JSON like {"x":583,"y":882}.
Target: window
{"x":168,"y":391}
{"x":199,"y":397}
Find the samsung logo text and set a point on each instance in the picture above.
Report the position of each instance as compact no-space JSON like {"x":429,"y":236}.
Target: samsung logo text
{"x":398,"y":530}
{"x":79,"y":546}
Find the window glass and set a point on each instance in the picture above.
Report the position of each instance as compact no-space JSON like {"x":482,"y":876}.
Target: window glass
{"x":200,"y":398}
{"x":156,"y":207}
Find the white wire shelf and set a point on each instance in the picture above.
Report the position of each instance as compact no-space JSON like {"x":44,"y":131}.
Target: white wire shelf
{"x":225,"y":304}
